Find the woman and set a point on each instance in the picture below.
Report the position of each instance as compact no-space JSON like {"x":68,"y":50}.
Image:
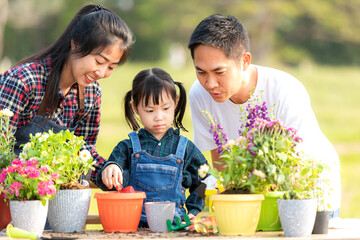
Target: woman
{"x":57,"y":88}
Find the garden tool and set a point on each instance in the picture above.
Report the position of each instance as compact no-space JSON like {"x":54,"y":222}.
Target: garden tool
{"x":179,"y":225}
{"x":14,"y":232}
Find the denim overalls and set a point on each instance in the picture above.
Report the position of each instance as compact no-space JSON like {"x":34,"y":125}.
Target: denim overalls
{"x":40,"y":124}
{"x":159,"y":177}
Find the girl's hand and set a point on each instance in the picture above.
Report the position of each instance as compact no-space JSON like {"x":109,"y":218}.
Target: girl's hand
{"x":191,"y":217}
{"x":112,"y":177}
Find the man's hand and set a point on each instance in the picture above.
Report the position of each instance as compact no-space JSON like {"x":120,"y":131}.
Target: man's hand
{"x":112,"y":177}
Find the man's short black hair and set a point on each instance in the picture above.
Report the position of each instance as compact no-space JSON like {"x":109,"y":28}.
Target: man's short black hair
{"x":225,"y":33}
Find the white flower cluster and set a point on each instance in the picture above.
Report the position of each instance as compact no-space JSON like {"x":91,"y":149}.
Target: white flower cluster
{"x":6,"y":112}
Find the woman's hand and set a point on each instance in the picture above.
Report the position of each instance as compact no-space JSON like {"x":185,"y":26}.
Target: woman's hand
{"x":112,"y":177}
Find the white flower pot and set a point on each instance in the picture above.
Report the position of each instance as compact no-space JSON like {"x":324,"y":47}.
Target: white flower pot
{"x":297,"y":217}
{"x":69,"y":209}
{"x":29,"y":215}
{"x":157,"y":213}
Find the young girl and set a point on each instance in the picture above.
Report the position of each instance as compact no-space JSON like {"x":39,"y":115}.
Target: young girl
{"x":157,"y":159}
{"x":57,"y":88}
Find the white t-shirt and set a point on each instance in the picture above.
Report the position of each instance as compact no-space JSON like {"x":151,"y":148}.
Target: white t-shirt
{"x":292,"y":106}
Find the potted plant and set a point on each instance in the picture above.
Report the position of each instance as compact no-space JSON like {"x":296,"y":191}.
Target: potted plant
{"x":244,"y":173}
{"x":61,"y":152}
{"x":28,"y":186}
{"x":7,"y":142}
{"x":321,"y":225}
{"x":298,"y":207}
{"x":259,"y":159}
{"x":274,"y":149}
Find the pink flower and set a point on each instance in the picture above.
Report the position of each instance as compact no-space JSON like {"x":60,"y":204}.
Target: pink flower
{"x":298,"y":139}
{"x":44,"y":169}
{"x":11,"y":169}
{"x":3,"y":176}
{"x":33,"y":172}
{"x":46,"y":187}
{"x":15,"y":187}
{"x":16,"y":162}
{"x":4,"y":194}
{"x":32,"y":161}
{"x":51,"y":189}
{"x":55,"y":176}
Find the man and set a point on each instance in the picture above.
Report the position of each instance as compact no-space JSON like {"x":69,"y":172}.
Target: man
{"x":220,"y":48}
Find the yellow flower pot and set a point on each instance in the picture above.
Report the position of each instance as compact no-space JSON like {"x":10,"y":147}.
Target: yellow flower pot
{"x":237,"y":214}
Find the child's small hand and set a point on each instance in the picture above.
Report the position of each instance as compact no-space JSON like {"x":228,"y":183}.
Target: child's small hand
{"x":112,"y":177}
{"x":191,"y":217}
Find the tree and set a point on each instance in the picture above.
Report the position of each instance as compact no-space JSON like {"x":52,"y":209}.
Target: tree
{"x":4,"y":10}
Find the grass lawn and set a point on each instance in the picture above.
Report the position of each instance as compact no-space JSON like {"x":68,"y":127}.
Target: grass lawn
{"x":334,"y":93}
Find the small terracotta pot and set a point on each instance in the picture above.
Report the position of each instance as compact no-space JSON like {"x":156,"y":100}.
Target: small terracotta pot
{"x":120,"y":212}
{"x":5,"y":216}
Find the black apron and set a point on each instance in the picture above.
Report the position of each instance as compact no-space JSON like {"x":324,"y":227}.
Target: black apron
{"x":40,"y":123}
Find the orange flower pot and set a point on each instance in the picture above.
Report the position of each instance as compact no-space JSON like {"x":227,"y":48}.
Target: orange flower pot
{"x":120,"y":212}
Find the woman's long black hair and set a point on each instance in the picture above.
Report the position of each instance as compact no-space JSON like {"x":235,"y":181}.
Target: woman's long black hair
{"x":92,"y":28}
{"x":150,"y":83}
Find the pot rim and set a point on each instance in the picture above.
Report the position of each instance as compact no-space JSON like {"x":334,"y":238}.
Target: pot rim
{"x":118,"y":195}
{"x":290,"y":200}
{"x":237,"y":197}
{"x":274,"y":194}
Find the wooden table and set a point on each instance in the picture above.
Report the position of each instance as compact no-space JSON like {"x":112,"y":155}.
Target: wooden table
{"x":345,"y":229}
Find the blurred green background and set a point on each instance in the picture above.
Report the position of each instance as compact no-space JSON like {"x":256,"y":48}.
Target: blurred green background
{"x":317,"y":41}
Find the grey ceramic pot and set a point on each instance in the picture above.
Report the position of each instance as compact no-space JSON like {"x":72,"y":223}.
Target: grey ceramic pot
{"x":69,"y":209}
{"x":297,"y":217}
{"x":29,"y":215}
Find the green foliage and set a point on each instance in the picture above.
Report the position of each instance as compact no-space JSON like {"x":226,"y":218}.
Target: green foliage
{"x":7,"y":139}
{"x":263,"y":157}
{"x":60,"y":152}
{"x":326,"y":32}
{"x":301,"y":182}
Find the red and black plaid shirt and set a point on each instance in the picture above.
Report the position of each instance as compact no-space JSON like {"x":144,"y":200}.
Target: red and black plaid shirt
{"x":22,"y":89}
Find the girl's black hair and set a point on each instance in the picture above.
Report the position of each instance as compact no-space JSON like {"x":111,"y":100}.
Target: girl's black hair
{"x":150,"y":83}
{"x":93,"y":28}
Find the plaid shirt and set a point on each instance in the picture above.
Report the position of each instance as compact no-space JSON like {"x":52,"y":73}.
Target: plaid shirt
{"x":22,"y":89}
{"x":193,"y":159}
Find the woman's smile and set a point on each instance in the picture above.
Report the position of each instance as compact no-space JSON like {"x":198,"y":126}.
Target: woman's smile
{"x":88,"y":79}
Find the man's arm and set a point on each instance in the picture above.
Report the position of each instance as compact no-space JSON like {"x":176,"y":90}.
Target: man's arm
{"x":215,"y":157}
